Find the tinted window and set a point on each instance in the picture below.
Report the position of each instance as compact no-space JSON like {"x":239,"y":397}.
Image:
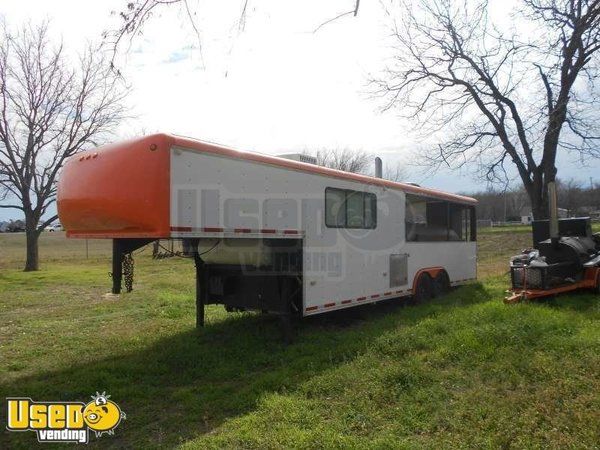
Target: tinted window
{"x":335,"y":208}
{"x":355,"y":210}
{"x":370,"y":211}
{"x":350,"y":209}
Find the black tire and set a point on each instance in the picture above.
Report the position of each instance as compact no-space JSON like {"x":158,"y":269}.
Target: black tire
{"x":287,"y":329}
{"x":441,"y":284}
{"x":424,"y":289}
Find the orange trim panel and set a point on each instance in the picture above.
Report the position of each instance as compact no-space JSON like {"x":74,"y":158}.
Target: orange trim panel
{"x":117,"y":191}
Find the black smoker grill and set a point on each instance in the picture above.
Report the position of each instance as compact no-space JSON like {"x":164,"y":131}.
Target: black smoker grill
{"x":566,"y":256}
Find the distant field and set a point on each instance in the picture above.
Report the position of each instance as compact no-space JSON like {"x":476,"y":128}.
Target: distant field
{"x":463,"y":371}
{"x":54,"y":247}
{"x":520,"y":229}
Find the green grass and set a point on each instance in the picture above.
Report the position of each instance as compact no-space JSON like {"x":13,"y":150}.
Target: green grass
{"x":462,"y":371}
{"x":512,"y":229}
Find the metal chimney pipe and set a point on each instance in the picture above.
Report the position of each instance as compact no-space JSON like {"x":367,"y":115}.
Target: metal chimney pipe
{"x":553,"y":205}
{"x":378,"y":167}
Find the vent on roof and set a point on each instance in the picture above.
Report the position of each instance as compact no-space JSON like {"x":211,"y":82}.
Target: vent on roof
{"x":412,"y":183}
{"x":300,"y":157}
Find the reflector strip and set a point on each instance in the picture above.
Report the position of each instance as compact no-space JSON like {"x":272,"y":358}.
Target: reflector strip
{"x":181,"y":228}
{"x":235,"y":230}
{"x":359,"y":299}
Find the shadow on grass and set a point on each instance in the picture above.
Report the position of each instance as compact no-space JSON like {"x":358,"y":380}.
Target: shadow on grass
{"x":189,"y":383}
{"x":583,"y":301}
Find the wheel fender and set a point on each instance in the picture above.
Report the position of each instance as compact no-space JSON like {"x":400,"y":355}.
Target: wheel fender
{"x":431,"y":271}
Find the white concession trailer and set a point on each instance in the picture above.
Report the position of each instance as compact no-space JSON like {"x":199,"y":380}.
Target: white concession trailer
{"x":270,"y":233}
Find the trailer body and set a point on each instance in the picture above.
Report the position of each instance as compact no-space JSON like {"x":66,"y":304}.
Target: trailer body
{"x":271,"y":233}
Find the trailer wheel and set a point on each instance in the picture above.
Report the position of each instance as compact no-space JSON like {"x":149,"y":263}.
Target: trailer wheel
{"x":423,"y":290}
{"x":441,"y":284}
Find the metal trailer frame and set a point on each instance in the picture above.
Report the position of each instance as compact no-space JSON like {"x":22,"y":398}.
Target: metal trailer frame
{"x":591,"y":280}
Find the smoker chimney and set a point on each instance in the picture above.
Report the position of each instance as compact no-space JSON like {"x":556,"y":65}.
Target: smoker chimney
{"x":378,"y":168}
{"x":553,"y":205}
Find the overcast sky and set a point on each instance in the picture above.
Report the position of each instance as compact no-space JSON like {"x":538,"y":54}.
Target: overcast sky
{"x":276,"y":87}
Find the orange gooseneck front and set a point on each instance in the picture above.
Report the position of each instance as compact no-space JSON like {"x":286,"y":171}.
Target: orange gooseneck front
{"x":117,"y":191}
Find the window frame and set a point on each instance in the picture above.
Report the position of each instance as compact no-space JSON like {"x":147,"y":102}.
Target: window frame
{"x":468,"y":225}
{"x":365,"y":197}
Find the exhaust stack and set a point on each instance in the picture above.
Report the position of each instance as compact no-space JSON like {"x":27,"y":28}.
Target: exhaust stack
{"x":553,"y":205}
{"x":378,"y":167}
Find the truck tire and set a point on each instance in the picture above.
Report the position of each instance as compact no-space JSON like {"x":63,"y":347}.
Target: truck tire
{"x":423,"y":290}
{"x":441,"y":284}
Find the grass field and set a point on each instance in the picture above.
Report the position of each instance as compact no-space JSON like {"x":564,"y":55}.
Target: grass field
{"x":462,"y":371}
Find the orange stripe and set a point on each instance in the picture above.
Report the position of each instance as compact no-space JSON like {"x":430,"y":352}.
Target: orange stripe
{"x":242,"y":230}
{"x":329,"y":305}
{"x":290,"y":232}
{"x":212,"y":230}
{"x":388,"y":293}
{"x":268,"y":231}
{"x":311,"y":308}
{"x":345,"y":302}
{"x":360,"y":299}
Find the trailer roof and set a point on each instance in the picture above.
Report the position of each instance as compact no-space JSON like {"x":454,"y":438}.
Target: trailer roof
{"x":209,"y":147}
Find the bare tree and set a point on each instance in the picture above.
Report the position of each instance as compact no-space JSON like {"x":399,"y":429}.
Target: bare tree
{"x":136,"y":13}
{"x":394,"y":173}
{"x":517,"y":202}
{"x":355,"y":161}
{"x":49,"y":110}
{"x":499,"y":98}
{"x":572,"y":196}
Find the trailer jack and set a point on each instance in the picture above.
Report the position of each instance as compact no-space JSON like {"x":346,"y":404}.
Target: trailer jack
{"x":122,"y":263}
{"x":201,"y":287}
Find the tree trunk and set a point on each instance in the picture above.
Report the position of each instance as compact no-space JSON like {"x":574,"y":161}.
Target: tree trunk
{"x":32,"y":236}
{"x":538,"y":193}
{"x":539,"y":208}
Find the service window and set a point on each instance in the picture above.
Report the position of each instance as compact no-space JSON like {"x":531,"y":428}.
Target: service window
{"x":426,"y":220}
{"x":456,"y":216}
{"x":431,"y":220}
{"x":350,"y":209}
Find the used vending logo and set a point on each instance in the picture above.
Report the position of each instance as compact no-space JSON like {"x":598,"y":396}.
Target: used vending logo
{"x":64,"y":421}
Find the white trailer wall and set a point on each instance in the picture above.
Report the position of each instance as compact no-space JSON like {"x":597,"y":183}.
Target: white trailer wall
{"x":342,"y":267}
